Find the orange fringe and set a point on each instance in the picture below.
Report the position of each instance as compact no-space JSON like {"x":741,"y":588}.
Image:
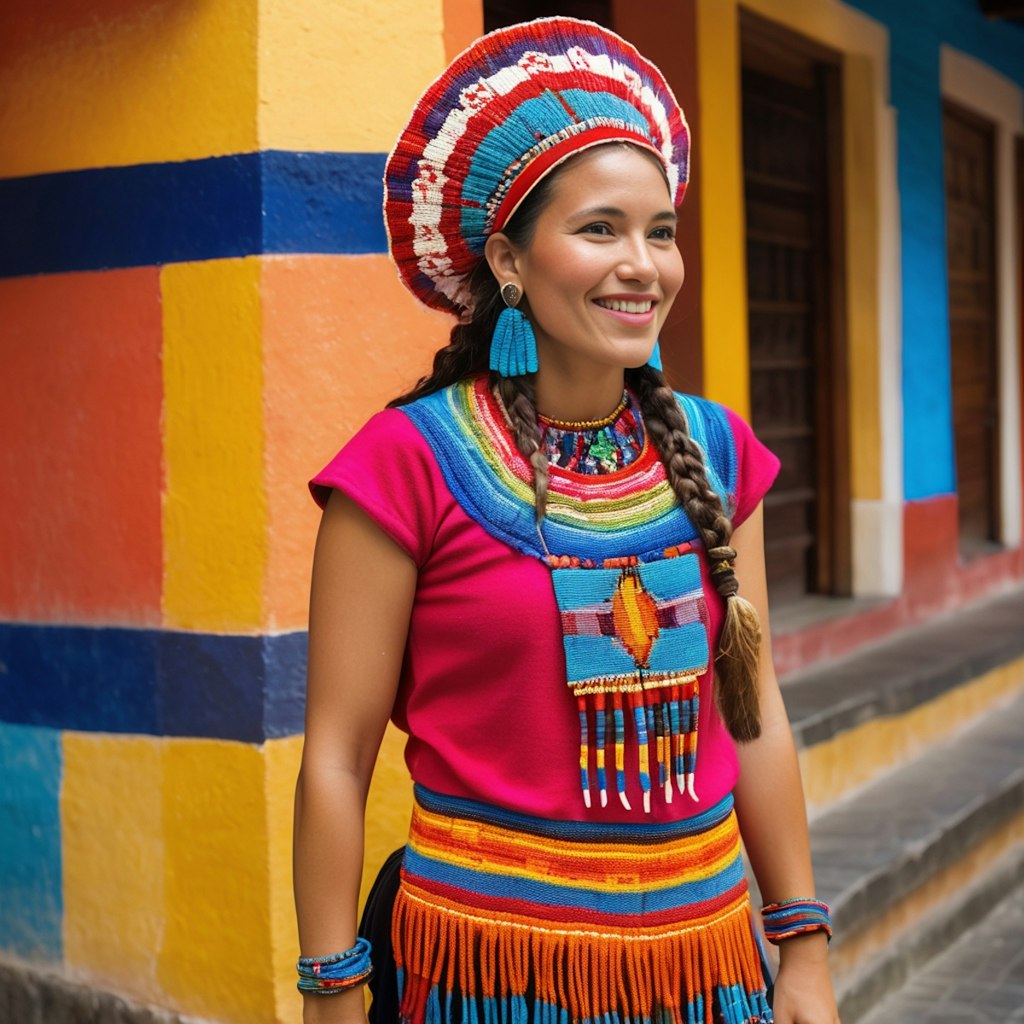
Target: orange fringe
{"x":631,"y":973}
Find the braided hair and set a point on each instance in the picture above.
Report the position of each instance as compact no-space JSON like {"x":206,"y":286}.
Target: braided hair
{"x":739,"y":646}
{"x":467,"y":352}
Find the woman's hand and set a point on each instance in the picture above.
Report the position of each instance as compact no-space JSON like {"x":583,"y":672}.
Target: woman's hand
{"x":803,"y":987}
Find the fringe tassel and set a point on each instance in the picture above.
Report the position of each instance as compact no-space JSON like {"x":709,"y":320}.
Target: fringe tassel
{"x":664,"y":722}
{"x":504,"y":970}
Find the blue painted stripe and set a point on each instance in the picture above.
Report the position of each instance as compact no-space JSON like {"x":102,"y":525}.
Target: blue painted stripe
{"x":246,"y":688}
{"x":150,"y":214}
{"x":31,"y":871}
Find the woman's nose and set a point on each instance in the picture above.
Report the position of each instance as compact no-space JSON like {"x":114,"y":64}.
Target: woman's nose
{"x":637,"y":262}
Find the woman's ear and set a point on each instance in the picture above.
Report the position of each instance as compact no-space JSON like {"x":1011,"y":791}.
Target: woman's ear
{"x":501,"y":258}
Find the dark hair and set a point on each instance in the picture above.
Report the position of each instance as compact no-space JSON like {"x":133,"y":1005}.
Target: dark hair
{"x":467,"y":352}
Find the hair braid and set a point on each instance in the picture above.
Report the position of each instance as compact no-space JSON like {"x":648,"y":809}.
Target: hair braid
{"x":736,"y":661}
{"x":517,"y":397}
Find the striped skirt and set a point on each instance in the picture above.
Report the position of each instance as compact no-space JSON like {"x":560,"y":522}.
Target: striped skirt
{"x":502,"y":918}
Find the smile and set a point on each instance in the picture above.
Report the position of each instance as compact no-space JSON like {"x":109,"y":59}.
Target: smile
{"x":621,"y":306}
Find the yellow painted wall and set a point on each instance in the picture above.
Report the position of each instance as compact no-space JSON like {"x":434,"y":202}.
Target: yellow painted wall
{"x":282,"y":766}
{"x":112,"y":840}
{"x":177,"y":872}
{"x":389,"y":806}
{"x":719,"y":164}
{"x":215,"y":956}
{"x":861,"y":209}
{"x":344,"y":76}
{"x":214,"y":515}
{"x":116,"y":82}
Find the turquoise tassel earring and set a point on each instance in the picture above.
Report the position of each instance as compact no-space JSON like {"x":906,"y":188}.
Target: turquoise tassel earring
{"x":513,"y":344}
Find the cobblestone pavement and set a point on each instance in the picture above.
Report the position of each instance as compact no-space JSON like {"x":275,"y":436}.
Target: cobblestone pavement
{"x":978,"y":980}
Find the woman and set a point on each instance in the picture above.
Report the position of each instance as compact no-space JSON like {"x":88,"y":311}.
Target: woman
{"x":532,"y":565}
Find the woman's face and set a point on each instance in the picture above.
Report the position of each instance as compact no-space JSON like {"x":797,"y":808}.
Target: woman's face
{"x":602,"y":268}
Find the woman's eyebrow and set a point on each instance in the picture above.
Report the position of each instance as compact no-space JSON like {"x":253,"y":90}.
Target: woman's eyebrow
{"x":614,"y":211}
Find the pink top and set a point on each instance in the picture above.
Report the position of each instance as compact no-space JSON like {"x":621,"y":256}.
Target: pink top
{"x":483,"y":696}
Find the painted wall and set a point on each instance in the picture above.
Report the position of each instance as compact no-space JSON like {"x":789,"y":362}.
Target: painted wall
{"x":918,"y":29}
{"x":197,"y":312}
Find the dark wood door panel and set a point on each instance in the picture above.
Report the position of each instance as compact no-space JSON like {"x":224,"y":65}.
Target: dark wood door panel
{"x":797,"y":387}
{"x":970,"y":256}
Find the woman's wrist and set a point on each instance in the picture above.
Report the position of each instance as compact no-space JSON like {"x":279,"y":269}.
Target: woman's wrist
{"x":806,"y":948}
{"x":349,"y":1006}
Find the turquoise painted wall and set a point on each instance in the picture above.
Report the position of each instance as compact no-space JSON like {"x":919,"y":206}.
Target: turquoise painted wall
{"x":918,"y":28}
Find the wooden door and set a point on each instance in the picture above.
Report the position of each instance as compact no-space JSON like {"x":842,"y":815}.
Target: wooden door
{"x":970,"y":251}
{"x":792,"y":179}
{"x":499,"y":13}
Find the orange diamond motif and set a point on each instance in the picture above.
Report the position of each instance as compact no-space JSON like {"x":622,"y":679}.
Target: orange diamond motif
{"x":635,"y":615}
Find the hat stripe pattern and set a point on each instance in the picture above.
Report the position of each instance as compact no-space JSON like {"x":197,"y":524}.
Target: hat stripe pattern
{"x":508,"y":110}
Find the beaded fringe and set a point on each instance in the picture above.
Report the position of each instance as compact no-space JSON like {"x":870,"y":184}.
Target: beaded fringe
{"x":664,"y":721}
{"x":480,"y":969}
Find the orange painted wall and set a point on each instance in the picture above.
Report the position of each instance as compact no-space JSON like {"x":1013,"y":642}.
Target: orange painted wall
{"x":80,"y":463}
{"x":463,"y":22}
{"x":341,"y":337}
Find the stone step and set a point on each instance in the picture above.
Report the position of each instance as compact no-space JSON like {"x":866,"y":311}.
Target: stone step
{"x":899,"y":859}
{"x":30,"y":994}
{"x":861,"y":716}
{"x":979,"y":979}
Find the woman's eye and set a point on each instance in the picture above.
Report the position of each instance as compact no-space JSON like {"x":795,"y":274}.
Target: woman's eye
{"x":597,"y":229}
{"x":664,"y":234}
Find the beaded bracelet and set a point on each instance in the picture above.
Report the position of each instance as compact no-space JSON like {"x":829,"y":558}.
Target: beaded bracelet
{"x":328,"y":975}
{"x":787,"y":918}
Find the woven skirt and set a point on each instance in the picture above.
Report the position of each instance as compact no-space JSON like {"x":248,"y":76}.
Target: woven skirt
{"x":502,"y":918}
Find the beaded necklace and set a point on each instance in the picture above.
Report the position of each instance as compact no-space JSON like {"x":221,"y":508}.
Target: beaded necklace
{"x":593,"y":447}
{"x":626,"y":576}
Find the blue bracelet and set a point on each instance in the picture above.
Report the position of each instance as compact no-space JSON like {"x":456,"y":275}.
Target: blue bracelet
{"x":787,"y":918}
{"x":327,"y":975}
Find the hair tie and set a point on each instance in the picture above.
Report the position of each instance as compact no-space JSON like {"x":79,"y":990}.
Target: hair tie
{"x":726,"y":583}
{"x":724,"y":552}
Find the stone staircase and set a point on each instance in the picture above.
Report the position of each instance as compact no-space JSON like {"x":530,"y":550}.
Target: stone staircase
{"x":913,"y":759}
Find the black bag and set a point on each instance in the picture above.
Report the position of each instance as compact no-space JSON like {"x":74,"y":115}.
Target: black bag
{"x":375,"y":927}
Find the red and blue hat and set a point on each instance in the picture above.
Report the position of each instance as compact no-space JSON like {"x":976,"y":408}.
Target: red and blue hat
{"x":506,"y":112}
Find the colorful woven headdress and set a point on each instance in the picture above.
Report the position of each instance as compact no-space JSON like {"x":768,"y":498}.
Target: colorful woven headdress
{"x":507,"y":111}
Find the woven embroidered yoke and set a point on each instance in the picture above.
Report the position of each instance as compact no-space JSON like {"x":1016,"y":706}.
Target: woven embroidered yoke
{"x":504,"y":917}
{"x":626,"y":575}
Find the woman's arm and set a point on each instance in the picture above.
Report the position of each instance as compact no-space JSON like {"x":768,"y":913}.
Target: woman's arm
{"x":771,"y":812}
{"x":362,"y":594}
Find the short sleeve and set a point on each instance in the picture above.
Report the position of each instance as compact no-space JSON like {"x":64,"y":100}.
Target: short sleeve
{"x":756,"y":468}
{"x":388,"y":470}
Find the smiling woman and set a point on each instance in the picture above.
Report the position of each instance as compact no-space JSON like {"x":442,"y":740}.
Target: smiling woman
{"x":599,"y":275}
{"x":531,"y":564}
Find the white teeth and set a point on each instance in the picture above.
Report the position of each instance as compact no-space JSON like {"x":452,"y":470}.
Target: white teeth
{"x":626,"y":307}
